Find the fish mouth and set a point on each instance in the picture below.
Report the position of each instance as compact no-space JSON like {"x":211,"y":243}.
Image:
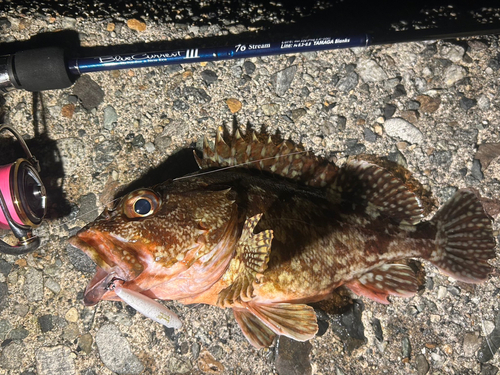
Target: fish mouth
{"x":104,"y":251}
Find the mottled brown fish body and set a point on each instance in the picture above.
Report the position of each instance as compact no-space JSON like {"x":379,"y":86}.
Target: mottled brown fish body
{"x":285,"y":231}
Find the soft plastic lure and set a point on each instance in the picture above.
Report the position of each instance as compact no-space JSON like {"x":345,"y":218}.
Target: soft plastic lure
{"x":146,"y":306}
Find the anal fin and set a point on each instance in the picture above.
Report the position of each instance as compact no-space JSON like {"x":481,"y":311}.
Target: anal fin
{"x":297,"y":321}
{"x":248,"y":264}
{"x":256,"y":332}
{"x":388,"y":279}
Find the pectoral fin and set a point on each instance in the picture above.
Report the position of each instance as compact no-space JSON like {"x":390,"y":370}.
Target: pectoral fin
{"x":254,"y":330}
{"x":388,"y":279}
{"x":250,"y":261}
{"x":296,"y":321}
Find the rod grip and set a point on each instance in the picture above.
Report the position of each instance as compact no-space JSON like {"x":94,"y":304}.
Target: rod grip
{"x":40,"y":69}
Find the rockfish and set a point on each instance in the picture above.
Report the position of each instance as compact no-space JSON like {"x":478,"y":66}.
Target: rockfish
{"x":276,"y":228}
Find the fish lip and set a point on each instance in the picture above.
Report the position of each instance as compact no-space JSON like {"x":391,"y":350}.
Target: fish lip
{"x":91,"y":251}
{"x":97,"y":289}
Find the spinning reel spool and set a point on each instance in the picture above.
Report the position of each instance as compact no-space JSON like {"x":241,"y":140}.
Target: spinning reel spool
{"x":22,"y":200}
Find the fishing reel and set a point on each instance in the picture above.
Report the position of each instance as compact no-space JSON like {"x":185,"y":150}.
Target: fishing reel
{"x":22,"y":200}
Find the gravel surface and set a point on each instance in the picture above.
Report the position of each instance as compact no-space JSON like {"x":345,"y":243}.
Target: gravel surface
{"x":431,"y":106}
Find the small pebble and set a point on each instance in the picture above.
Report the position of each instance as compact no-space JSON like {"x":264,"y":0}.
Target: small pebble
{"x":413,"y":105}
{"x":18,"y":334}
{"x":406,"y":348}
{"x":13,"y":355}
{"x":5,"y":23}
{"x":209,"y":76}
{"x":453,"y":74}
{"x":71,"y":315}
{"x":88,"y":208}
{"x":88,"y":91}
{"x":298,"y":113}
{"x":487,"y":369}
{"x":410,"y":116}
{"x":422,"y":364}
{"x":398,"y":91}
{"x":377,"y":329}
{"x":234,"y":105}
{"x":369,"y":135}
{"x":428,"y":104}
{"x":270,"y":109}
{"x":45,"y":322}
{"x":85,"y":343}
{"x":5,"y":328}
{"x":195,"y":350}
{"x":293,"y":357}
{"x":33,"y":287}
{"x":467,"y":103}
{"x":429,"y":51}
{"x":181,"y":366}
{"x":476,"y":170}
{"x":207,"y":363}
{"x":389,"y":110}
{"x":110,"y":118}
{"x":354,"y":148}
{"x":282,"y":80}
{"x":494,"y":64}
{"x":249,"y":67}
{"x":443,"y":157}
{"x":79,"y":259}
{"x":483,"y":103}
{"x":448,"y":349}
{"x":149,"y":147}
{"x":114,"y":351}
{"x":370,"y":71}
{"x":135,"y":24}
{"x":349,"y":82}
{"x":400,"y":128}
{"x":68,"y":110}
{"x":471,"y":344}
{"x":138,"y":141}
{"x":21,"y":310}
{"x":180,"y":105}
{"x":453,"y":52}
{"x":349,"y":327}
{"x":55,"y":360}
{"x":477,"y":45}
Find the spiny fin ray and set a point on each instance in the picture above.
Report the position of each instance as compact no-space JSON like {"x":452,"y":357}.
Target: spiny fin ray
{"x":256,"y":151}
{"x":377,"y":191}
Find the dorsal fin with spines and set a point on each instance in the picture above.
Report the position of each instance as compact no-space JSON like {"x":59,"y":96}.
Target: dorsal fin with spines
{"x":254,"y":151}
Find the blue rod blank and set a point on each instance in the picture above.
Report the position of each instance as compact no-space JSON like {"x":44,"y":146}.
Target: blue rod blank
{"x":238,"y":51}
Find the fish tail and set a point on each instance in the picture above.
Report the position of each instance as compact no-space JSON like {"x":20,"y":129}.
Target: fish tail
{"x":464,"y":238}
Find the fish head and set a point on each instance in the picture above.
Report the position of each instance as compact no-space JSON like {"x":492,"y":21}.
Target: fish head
{"x":152,"y":235}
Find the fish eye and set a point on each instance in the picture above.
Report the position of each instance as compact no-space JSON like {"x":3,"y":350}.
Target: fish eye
{"x":142,"y":206}
{"x":141,"y":203}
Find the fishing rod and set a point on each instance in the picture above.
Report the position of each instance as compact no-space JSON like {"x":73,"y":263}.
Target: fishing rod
{"x":49,"y":68}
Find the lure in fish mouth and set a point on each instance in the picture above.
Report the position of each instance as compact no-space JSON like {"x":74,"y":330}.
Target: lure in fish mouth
{"x":283,"y":229}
